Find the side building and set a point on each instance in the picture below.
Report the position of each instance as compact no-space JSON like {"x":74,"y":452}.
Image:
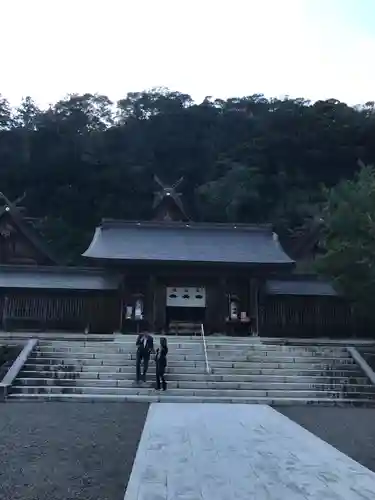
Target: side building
{"x":38,"y":292}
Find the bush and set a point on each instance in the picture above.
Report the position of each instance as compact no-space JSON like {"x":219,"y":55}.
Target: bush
{"x":7,"y":356}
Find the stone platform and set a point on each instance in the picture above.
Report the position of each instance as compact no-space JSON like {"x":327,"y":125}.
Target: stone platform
{"x":241,"y":452}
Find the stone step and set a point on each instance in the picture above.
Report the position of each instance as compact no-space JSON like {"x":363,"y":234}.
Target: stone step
{"x":181,"y":329}
{"x":239,"y":368}
{"x":254,"y":369}
{"x":192,"y":347}
{"x":123,"y":341}
{"x":197,"y":377}
{"x":114,"y":345}
{"x":126,"y":358}
{"x":212,"y":343}
{"x":271,"y":343}
{"x":281,"y":358}
{"x":194,"y":385}
{"x":113,"y":349}
{"x":270,"y":347}
{"x":97,"y":346}
{"x":181,"y":359}
{"x":313,"y":393}
{"x":189,"y":353}
{"x":124,"y":362}
{"x":164,"y":397}
{"x":182,"y":353}
{"x":124,"y":368}
{"x":257,"y":369}
{"x":117,"y":356}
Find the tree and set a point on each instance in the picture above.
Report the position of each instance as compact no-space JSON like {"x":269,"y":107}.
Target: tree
{"x":143,"y":105}
{"x":27,"y":114}
{"x":246,"y":159}
{"x":6,"y":118}
{"x":349,"y":221}
{"x":234,"y":196}
{"x":84,"y":113}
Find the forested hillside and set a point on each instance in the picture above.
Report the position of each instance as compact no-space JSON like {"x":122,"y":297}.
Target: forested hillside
{"x":248,"y":159}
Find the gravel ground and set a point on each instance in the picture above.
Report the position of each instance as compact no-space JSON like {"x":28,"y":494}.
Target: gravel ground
{"x":66,"y":451}
{"x":350,"y":430}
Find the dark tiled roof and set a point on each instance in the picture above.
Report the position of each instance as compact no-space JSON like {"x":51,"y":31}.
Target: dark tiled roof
{"x":300,"y":287}
{"x":181,"y":242}
{"x":57,"y":278}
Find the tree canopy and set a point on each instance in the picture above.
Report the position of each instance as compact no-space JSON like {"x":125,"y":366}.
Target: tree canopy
{"x":349,"y":221}
{"x":246,"y":159}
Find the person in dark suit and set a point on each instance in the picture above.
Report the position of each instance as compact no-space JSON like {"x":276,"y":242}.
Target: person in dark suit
{"x":145,"y":346}
{"x":161,"y":364}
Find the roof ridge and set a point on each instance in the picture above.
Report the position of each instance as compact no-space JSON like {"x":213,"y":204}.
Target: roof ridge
{"x":179,"y":224}
{"x":52,"y":268}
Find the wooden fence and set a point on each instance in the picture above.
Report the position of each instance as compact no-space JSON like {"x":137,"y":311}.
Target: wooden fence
{"x":98,"y":314}
{"x":297,"y":316}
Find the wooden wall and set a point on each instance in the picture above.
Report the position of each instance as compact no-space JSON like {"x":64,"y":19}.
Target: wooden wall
{"x":298,"y":316}
{"x":99,"y":312}
{"x":279,"y":316}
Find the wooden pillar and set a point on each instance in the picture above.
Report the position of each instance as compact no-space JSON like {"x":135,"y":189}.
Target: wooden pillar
{"x":215,"y":305}
{"x":44,"y":313}
{"x":254,"y":305}
{"x":211,"y":308}
{"x":148,"y":301}
{"x":160,"y":305}
{"x":5,"y":313}
{"x":150,"y":305}
{"x":223,"y":304}
{"x":123,"y":301}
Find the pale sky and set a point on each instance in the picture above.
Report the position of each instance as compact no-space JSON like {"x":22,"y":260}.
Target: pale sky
{"x":315,"y":49}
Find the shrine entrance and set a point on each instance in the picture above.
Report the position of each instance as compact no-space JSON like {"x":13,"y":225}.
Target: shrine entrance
{"x":185,"y":304}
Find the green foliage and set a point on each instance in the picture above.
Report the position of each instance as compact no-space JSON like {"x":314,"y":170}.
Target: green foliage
{"x":8,"y":355}
{"x":143,"y":105}
{"x":247,"y":159}
{"x":6,"y":119}
{"x":349,"y":219}
{"x":27,"y":114}
{"x":234,"y":195}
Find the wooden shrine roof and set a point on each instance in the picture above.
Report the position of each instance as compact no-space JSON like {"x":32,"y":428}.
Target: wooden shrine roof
{"x":186,"y":242}
{"x":57,"y":278}
{"x":26,"y":227}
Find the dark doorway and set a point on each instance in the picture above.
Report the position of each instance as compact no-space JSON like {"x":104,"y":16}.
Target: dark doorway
{"x":188,"y":314}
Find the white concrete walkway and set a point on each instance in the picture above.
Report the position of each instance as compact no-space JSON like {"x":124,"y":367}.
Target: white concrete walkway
{"x":239,"y":452}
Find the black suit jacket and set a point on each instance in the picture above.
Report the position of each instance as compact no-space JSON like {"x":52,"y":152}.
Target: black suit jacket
{"x":161,"y":357}
{"x":149,"y":344}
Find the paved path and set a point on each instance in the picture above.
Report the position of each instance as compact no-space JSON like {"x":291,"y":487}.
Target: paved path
{"x":239,"y":452}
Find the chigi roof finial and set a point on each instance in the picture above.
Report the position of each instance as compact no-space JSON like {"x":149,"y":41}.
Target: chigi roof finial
{"x":167,"y":202}
{"x":11,"y":205}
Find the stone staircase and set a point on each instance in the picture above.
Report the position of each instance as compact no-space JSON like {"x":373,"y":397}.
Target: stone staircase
{"x":184,"y":328}
{"x":242,"y":370}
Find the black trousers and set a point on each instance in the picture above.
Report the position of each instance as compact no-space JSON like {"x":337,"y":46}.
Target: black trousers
{"x":160,"y":377}
{"x":142,"y":355}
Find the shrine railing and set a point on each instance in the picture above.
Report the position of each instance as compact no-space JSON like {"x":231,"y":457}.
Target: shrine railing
{"x":205,"y":349}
